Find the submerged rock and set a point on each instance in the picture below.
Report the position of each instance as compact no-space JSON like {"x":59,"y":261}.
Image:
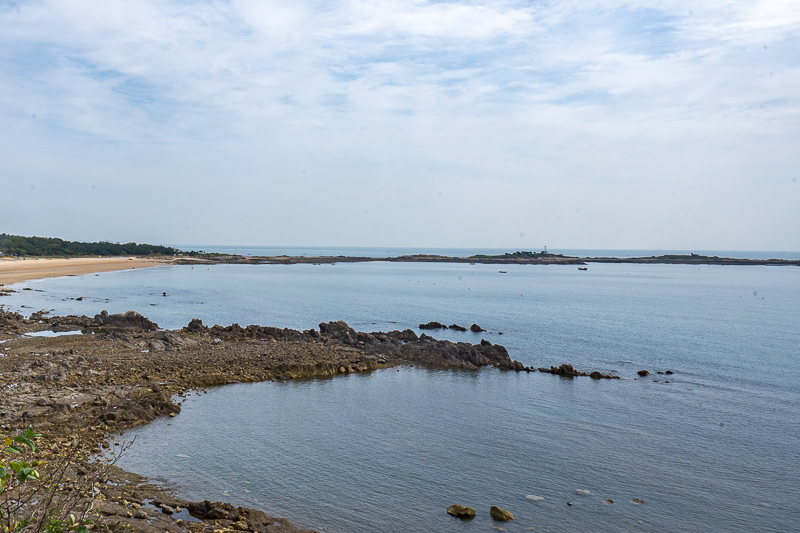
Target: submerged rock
{"x":476,"y":328}
{"x":461,"y":511}
{"x":432,"y":325}
{"x":643,"y":373}
{"x":500,"y":514}
{"x":457,"y":327}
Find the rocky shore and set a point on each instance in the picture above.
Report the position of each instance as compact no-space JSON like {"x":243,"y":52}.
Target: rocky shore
{"x":123,"y":371}
{"x":517,"y":258}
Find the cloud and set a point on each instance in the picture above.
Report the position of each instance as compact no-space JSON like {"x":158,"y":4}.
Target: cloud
{"x":380,"y":91}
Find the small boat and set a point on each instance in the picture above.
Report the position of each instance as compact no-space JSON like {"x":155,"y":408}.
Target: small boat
{"x":504,"y":272}
{"x":583,"y":268}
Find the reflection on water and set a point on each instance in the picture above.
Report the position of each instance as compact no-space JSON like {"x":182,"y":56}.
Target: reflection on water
{"x":390,"y":451}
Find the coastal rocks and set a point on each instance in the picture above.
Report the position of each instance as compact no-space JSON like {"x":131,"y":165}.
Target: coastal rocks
{"x":500,"y":514}
{"x":70,"y":323}
{"x":643,"y":373}
{"x":196,"y":326}
{"x":128,"y":320}
{"x":432,"y":325}
{"x":461,"y":511}
{"x":569,"y":371}
{"x":599,"y":375}
{"x":170,"y":340}
{"x":455,"y":327}
{"x":563,"y":370}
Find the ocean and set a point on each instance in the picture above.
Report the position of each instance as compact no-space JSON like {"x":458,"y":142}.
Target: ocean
{"x":712,"y":446}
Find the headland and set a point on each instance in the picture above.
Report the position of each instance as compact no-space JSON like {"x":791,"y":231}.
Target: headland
{"x":123,"y":371}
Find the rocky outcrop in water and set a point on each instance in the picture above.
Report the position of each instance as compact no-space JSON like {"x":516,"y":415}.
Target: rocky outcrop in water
{"x":500,"y":514}
{"x":461,"y":511}
{"x":569,"y":371}
{"x":432,"y":325}
{"x":403,"y":345}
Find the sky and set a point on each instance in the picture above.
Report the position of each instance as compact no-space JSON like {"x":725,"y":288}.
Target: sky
{"x":505,"y":124}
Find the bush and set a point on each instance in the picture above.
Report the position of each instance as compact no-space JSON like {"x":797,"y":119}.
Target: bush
{"x":54,"y":496}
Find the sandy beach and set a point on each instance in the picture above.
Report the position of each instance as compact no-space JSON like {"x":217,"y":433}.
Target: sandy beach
{"x":17,"y":270}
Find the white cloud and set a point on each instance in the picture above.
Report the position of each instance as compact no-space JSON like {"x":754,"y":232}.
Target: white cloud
{"x":381,"y":91}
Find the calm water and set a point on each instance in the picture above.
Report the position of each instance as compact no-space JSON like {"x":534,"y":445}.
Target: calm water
{"x":356,"y":251}
{"x":715,"y":449}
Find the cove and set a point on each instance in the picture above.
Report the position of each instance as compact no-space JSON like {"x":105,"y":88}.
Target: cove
{"x":389,"y":451}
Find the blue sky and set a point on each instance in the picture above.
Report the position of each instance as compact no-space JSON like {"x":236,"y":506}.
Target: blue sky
{"x":513,"y":124}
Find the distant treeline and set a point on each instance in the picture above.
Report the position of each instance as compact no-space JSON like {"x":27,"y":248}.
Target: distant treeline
{"x":47,"y":247}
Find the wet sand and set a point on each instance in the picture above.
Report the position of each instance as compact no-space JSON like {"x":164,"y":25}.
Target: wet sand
{"x":17,"y":270}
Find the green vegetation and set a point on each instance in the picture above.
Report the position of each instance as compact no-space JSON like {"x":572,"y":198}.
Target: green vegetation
{"x":50,"y":247}
{"x":39,"y":496}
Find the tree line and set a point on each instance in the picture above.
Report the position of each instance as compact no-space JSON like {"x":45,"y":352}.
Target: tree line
{"x":53,"y":247}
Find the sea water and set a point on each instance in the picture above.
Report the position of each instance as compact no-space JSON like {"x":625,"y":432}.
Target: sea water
{"x":715,"y":448}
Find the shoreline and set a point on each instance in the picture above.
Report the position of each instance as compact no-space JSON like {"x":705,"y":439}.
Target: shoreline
{"x":518,"y":258}
{"x":17,"y":270}
{"x":128,"y":373}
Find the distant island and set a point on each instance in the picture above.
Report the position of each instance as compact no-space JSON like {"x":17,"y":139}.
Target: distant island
{"x":515,"y":258}
{"x":15,"y":245}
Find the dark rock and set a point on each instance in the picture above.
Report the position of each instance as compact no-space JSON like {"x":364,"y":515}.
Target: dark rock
{"x":196,"y":326}
{"x":432,"y":325}
{"x":563,"y":370}
{"x":643,"y":373}
{"x":476,"y":328}
{"x":130,"y":319}
{"x":638,"y":501}
{"x":405,"y":335}
{"x":669,"y":372}
{"x":457,"y":327}
{"x":598,"y":375}
{"x":500,"y":514}
{"x":172,"y":339}
{"x":461,"y":511}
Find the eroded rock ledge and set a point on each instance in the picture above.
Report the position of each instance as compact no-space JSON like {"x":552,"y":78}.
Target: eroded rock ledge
{"x":127,"y":372}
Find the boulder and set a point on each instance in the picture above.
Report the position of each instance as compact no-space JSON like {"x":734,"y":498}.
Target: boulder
{"x":500,"y":514}
{"x":196,"y":326}
{"x":457,"y":327}
{"x":432,"y":325}
{"x":461,"y":511}
{"x":563,"y":370}
{"x":476,"y":328}
{"x":643,"y":373}
{"x":130,"y":320}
